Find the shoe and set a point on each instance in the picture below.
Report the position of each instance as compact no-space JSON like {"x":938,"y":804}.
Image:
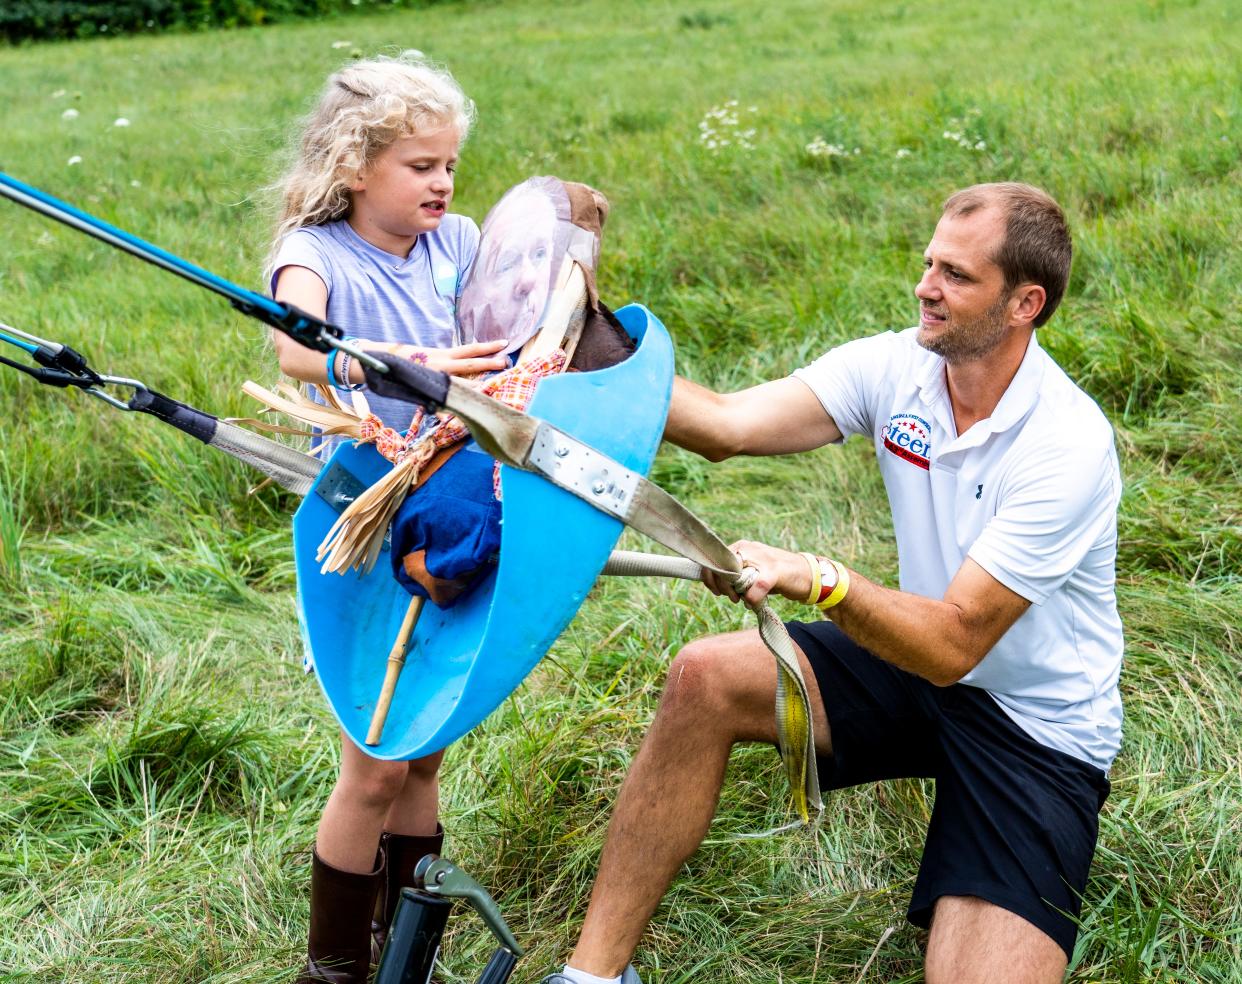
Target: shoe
{"x":338,"y":949}
{"x":629,"y":976}
{"x":401,"y":854}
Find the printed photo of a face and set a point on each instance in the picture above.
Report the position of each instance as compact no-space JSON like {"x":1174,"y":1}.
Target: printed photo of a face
{"x":520,"y":255}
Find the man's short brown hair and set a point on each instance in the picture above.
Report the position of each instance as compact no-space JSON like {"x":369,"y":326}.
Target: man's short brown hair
{"x":1036,"y":248}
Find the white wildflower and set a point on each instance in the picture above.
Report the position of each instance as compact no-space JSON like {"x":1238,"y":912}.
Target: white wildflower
{"x":135,"y":183}
{"x":337,"y":45}
{"x":720,"y":127}
{"x":120,"y":121}
{"x":58,"y":93}
{"x":69,"y":114}
{"x":819,"y":147}
{"x":903,"y":152}
{"x":980,"y":145}
{"x":75,"y":159}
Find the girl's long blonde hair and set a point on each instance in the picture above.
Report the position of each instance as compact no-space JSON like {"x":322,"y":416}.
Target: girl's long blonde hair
{"x":364,"y":109}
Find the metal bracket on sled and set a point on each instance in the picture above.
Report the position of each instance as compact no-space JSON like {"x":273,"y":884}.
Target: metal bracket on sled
{"x":339,"y":487}
{"x":578,"y":468}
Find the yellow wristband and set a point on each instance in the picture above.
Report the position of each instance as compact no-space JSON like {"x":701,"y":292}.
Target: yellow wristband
{"x":837,"y":595}
{"x":813,"y":561}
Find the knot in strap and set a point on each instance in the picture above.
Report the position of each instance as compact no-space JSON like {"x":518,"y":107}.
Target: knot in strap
{"x":743,"y":580}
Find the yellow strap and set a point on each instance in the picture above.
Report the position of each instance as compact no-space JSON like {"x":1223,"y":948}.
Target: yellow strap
{"x":816,"y":583}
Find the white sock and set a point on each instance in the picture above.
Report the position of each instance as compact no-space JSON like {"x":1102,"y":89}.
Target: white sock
{"x":582,"y":977}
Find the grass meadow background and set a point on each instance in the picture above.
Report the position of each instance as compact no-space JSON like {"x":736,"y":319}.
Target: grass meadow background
{"x":162,"y":759}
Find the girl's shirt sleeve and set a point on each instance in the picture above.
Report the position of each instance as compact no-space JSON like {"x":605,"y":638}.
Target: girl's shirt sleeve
{"x":301,"y":248}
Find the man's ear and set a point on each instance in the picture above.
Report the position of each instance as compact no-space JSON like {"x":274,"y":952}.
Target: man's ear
{"x":1030,"y":299}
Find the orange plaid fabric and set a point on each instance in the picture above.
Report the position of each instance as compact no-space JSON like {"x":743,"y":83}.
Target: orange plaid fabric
{"x":514,"y":387}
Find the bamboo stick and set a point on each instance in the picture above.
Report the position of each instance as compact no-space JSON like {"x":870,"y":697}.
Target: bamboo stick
{"x":396,"y":661}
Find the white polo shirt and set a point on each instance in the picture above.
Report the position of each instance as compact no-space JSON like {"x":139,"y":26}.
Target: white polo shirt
{"x":1030,"y":494}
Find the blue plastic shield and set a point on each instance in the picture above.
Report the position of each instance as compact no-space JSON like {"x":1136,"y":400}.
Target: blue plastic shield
{"x":463,"y":662}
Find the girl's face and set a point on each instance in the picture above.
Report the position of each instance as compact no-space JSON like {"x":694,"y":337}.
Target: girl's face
{"x":406,"y":190}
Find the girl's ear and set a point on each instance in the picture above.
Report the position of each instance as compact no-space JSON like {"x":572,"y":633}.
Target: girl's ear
{"x":359,"y":183}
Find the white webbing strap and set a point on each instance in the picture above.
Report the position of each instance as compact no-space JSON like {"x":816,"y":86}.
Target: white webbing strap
{"x":288,"y":467}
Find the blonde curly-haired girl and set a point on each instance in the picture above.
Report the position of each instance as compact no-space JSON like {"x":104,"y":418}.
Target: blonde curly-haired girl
{"x":366,"y":241}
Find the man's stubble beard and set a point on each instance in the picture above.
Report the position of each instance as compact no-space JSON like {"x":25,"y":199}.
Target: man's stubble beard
{"x":971,"y":340}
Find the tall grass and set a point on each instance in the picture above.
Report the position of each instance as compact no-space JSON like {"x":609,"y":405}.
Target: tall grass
{"x":12,"y":530}
{"x":162,"y":758}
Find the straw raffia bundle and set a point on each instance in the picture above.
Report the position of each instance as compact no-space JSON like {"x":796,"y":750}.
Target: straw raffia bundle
{"x":356,"y":538}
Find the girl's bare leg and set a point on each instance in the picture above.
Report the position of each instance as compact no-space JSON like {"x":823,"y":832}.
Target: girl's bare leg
{"x":416,"y":809}
{"x":353,"y":820}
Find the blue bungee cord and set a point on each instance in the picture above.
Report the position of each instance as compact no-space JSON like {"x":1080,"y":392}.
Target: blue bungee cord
{"x":31,"y":346}
{"x":58,"y":365}
{"x":304,"y":328}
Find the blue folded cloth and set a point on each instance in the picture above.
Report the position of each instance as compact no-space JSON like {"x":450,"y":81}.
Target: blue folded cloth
{"x":453,"y":517}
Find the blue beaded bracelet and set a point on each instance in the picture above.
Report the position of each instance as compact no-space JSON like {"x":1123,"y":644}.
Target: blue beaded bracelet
{"x":340,"y":379}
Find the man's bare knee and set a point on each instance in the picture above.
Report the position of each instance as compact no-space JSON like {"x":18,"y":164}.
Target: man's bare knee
{"x":693,"y":682}
{"x":719,"y":680}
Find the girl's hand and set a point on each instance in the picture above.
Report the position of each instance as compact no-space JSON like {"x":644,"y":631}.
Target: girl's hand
{"x":778,"y":571}
{"x":460,"y":360}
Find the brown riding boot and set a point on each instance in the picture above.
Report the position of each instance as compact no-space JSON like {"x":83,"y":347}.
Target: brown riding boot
{"x":402,"y":852}
{"x":339,"y":949}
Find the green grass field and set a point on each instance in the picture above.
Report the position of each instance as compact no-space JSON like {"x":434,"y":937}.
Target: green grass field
{"x":162,"y":758}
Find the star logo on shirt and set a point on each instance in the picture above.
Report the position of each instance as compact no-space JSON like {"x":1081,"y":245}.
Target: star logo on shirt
{"x":908,"y":436}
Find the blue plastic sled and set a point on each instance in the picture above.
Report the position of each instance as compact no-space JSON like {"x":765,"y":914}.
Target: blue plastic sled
{"x":463,"y":662}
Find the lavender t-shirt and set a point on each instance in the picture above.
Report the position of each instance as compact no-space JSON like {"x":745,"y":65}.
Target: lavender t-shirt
{"x":381,"y":297}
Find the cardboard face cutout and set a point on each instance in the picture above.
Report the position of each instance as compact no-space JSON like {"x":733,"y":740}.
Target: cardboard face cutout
{"x":527,"y":239}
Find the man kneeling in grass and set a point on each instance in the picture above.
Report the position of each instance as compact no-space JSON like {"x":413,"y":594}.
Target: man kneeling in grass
{"x":993,"y":670}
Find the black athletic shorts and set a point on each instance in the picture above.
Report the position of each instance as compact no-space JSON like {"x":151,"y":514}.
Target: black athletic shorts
{"x":1014,"y":821}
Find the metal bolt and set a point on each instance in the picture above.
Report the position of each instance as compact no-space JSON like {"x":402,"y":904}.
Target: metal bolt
{"x":598,"y":487}
{"x":561,"y":450}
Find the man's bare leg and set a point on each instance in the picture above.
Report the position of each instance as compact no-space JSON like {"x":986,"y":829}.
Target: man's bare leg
{"x":976,"y":942}
{"x":720,"y":691}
